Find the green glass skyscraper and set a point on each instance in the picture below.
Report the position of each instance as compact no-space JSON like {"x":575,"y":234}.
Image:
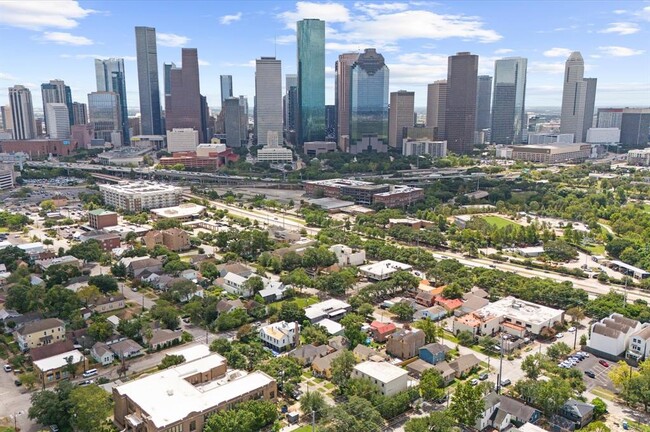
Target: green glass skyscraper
{"x":311,"y":80}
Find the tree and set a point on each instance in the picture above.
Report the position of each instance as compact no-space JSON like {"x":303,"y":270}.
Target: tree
{"x":232,"y":319}
{"x":48,"y":205}
{"x":290,"y":312}
{"x":583,"y":340}
{"x":61,"y":302}
{"x":12,"y":255}
{"x":29,"y":379}
{"x":342,"y":367}
{"x":403,"y":311}
{"x":467,"y":404}
{"x":250,"y":416}
{"x":106,"y":284}
{"x":597,"y":426}
{"x":171,"y":360}
{"x":355,"y":415}
{"x":176,"y":266}
{"x":465,"y":338}
{"x":180,"y":290}
{"x":88,"y":294}
{"x":352,"y":329}
{"x":167,"y":314}
{"x":100,"y":329}
{"x":89,"y":407}
{"x":52,"y":407}
{"x":600,"y":408}
{"x":118,"y":269}
{"x":366,"y":310}
{"x":254,"y":284}
{"x":558,"y":350}
{"x":90,"y":250}
{"x":430,"y":329}
{"x":315,"y":334}
{"x":130,"y":327}
{"x":559,"y":250}
{"x":634,"y":385}
{"x":285,"y":370}
{"x":547,"y":395}
{"x":576,"y":313}
{"x":437,"y":421}
{"x":532,"y":366}
{"x":209,"y":270}
{"x":431,"y":385}
{"x":313,"y":402}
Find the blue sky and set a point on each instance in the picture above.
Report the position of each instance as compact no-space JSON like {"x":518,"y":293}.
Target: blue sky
{"x":43,"y":40}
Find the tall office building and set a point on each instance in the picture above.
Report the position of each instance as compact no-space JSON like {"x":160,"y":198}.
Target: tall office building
{"x":57,"y":92}
{"x":330,"y":122}
{"x":268,"y":100}
{"x":635,"y":127}
{"x":483,"y":100}
{"x":184,"y":108}
{"x":460,"y":111}
{"x":508,"y":106}
{"x":79,"y":113}
{"x":233,"y":115}
{"x":59,"y":120}
{"x":578,"y":98}
{"x":225,"y":82}
{"x":105,"y":117}
{"x":401,"y":115}
{"x":343,"y":70}
{"x":609,"y":117}
{"x":147,"y":56}
{"x":22,"y":113}
{"x":6,"y":119}
{"x":369,"y":97}
{"x":291,"y":102}
{"x":243,"y":110}
{"x":311,"y":80}
{"x":437,"y":106}
{"x":110,"y":77}
{"x":167,"y":77}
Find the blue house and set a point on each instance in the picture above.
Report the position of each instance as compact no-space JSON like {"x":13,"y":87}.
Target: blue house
{"x":433,"y":353}
{"x":434,"y":313}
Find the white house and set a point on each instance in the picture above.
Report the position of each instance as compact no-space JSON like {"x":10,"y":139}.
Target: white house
{"x":280,"y":336}
{"x":234,"y":284}
{"x":612,"y":335}
{"x":348,"y":256}
{"x":102,"y":353}
{"x":388,"y":379}
{"x":383,"y":270}
{"x":639,"y":347}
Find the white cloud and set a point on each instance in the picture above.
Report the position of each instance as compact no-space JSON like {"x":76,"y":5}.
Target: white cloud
{"x":330,"y":12}
{"x":40,"y":14}
{"x":346,"y":47}
{"x":171,"y":39}
{"x":558,"y":52}
{"x":229,"y":19}
{"x":622,"y":28}
{"x":374,"y":8}
{"x":285,"y":39}
{"x":7,"y":77}
{"x":329,"y":70}
{"x":96,"y":56}
{"x":544,"y":67}
{"x":249,"y":63}
{"x":618,"y":51}
{"x":644,"y":13}
{"x":619,"y":11}
{"x":203,"y":63}
{"x":63,"y":38}
{"x":503,"y":51}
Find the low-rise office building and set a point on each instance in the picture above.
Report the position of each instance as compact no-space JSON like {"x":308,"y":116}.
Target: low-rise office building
{"x":274,"y":154}
{"x":551,"y":154}
{"x":611,"y":336}
{"x":53,"y":369}
{"x":100,"y":218}
{"x":314,"y":148}
{"x":640,"y":157}
{"x":399,"y":196}
{"x":387,"y":378}
{"x":183,"y":212}
{"x":141,"y":195}
{"x":347,"y":256}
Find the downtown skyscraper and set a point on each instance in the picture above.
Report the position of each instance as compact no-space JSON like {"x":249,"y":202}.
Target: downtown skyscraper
{"x":436,"y":107}
{"x":369,"y":97}
{"x":460,"y":112}
{"x":57,"y":92}
{"x":311,"y":80}
{"x":185,"y":107}
{"x":509,"y":102}
{"x":22,"y":113}
{"x":147,"y":57}
{"x":578,"y":98}
{"x":225,"y":83}
{"x":268,"y":101}
{"x":483,"y":101}
{"x":401,"y":115}
{"x":343,"y":70}
{"x":291,"y":102}
{"x":109,"y":74}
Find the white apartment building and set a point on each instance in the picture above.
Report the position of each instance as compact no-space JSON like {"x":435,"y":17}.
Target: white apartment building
{"x":639,"y":157}
{"x":58,"y":120}
{"x":182,"y":139}
{"x":603,"y":135}
{"x":435,"y":149}
{"x":612,"y":335}
{"x":7,"y":176}
{"x":280,"y":336}
{"x":140,"y":195}
{"x":348,"y":256}
{"x":274,"y":154}
{"x":639,"y":348}
{"x":388,"y":379}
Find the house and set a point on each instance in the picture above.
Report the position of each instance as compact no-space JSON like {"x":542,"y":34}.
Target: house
{"x":190,"y":274}
{"x":108,"y":303}
{"x":380,"y":331}
{"x":347,"y":256}
{"x":149,"y":277}
{"x":163,"y":282}
{"x":322,"y":366}
{"x":225,"y":306}
{"x":53,"y":369}
{"x":44,"y":264}
{"x":579,"y":413}
{"x":490,"y":406}
{"x":306,"y":354}
{"x":450,"y":305}
{"x":236,"y":268}
{"x":464,"y":364}
{"x":387,"y":378}
{"x":280,"y":336}
{"x":405,"y":343}
{"x":383,"y":270}
{"x":639,"y":347}
{"x":333,"y":309}
{"x":478,"y":292}
{"x":236,"y":284}
{"x":418,"y":367}
{"x":126,"y":349}
{"x":471,"y":303}
{"x":102,"y":353}
{"x":338,"y":343}
{"x":50,"y":350}
{"x":434,"y":353}
{"x":85,"y":312}
{"x":273,"y":292}
{"x":447,"y":373}
{"x":434,"y":313}
{"x":363,"y":353}
{"x":164,"y":338}
{"x":332,"y":327}
{"x":40,"y":333}
{"x":425,"y":298}
{"x":611,"y":335}
{"x":137,"y":266}
{"x":13,"y":320}
{"x":477,"y":324}
{"x":514,"y":411}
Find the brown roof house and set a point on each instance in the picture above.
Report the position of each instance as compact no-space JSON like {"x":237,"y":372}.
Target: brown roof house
{"x":405,"y":343}
{"x":306,"y":354}
{"x":322,"y":366}
{"x":40,"y":333}
{"x":174,"y":239}
{"x":108,"y":303}
{"x":164,"y":338}
{"x":136,"y":267}
{"x":464,"y":364}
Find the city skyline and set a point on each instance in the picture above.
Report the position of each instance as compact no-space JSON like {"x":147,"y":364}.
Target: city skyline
{"x":70,"y":38}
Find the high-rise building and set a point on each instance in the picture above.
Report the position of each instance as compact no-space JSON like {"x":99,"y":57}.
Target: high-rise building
{"x":369,"y":97}
{"x":57,"y":92}
{"x":167,"y":77}
{"x":460,"y":111}
{"x":147,"y":56}
{"x":609,"y":117}
{"x":243,"y":112}
{"x":268,"y":99}
{"x":343,"y":69}
{"x":7,"y":118}
{"x":22,"y":113}
{"x":483,"y":100}
{"x":330,"y":122}
{"x":183,"y":106}
{"x":105,"y":117}
{"x":291,"y":102}
{"x":635,"y":127}
{"x":79,"y":113}
{"x":508,"y":105}
{"x":402,"y":108}
{"x":59,"y":120}
{"x":233,"y":117}
{"x":437,"y":106}
{"x":225,"y":82}
{"x":311,"y":80}
{"x":110,"y":77}
{"x":578,"y":98}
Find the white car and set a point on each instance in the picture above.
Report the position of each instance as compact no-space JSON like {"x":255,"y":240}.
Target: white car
{"x":559,"y":335}
{"x":571,"y":329}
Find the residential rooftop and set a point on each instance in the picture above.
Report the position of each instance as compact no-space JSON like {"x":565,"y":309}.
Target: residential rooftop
{"x":381,"y":371}
{"x":520,"y":310}
{"x":58,"y":361}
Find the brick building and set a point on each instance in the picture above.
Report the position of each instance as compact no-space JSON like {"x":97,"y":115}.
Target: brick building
{"x":41,"y":148}
{"x":101,"y":218}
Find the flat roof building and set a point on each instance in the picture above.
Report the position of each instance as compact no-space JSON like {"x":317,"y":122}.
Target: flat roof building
{"x":140,"y":195}
{"x":550,"y":154}
{"x":388,"y":379}
{"x":183,"y":212}
{"x":383,"y":270}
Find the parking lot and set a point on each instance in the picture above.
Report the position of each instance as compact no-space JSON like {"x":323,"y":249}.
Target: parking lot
{"x":601,"y":379}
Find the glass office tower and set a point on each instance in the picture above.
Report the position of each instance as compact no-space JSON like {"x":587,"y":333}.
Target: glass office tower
{"x":109,"y":74}
{"x":508,"y":105}
{"x":311,"y":80}
{"x":369,"y":97}
{"x":147,"y":56}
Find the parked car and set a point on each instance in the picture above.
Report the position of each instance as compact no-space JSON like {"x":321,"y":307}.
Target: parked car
{"x":571,"y":329}
{"x":505,"y":383}
{"x":7,"y":368}
{"x":603,"y":363}
{"x":590,"y":374}
{"x":474,"y":382}
{"x":559,"y":335}
{"x":483,"y":376}
{"x":18,"y":383}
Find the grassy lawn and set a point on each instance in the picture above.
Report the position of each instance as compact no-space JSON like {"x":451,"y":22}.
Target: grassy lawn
{"x":306,"y":428}
{"x":499,"y":221}
{"x":302,"y":302}
{"x":329,"y":386}
{"x":4,"y":230}
{"x":638,"y":426}
{"x":603,"y":393}
{"x":596,"y":249}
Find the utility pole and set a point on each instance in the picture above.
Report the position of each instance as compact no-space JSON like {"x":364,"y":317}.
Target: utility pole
{"x":500,"y":366}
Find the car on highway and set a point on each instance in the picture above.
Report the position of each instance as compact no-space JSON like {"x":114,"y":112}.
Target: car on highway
{"x":603,"y":363}
{"x":590,"y":374}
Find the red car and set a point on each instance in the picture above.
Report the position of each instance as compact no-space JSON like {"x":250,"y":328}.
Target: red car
{"x":603,"y":363}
